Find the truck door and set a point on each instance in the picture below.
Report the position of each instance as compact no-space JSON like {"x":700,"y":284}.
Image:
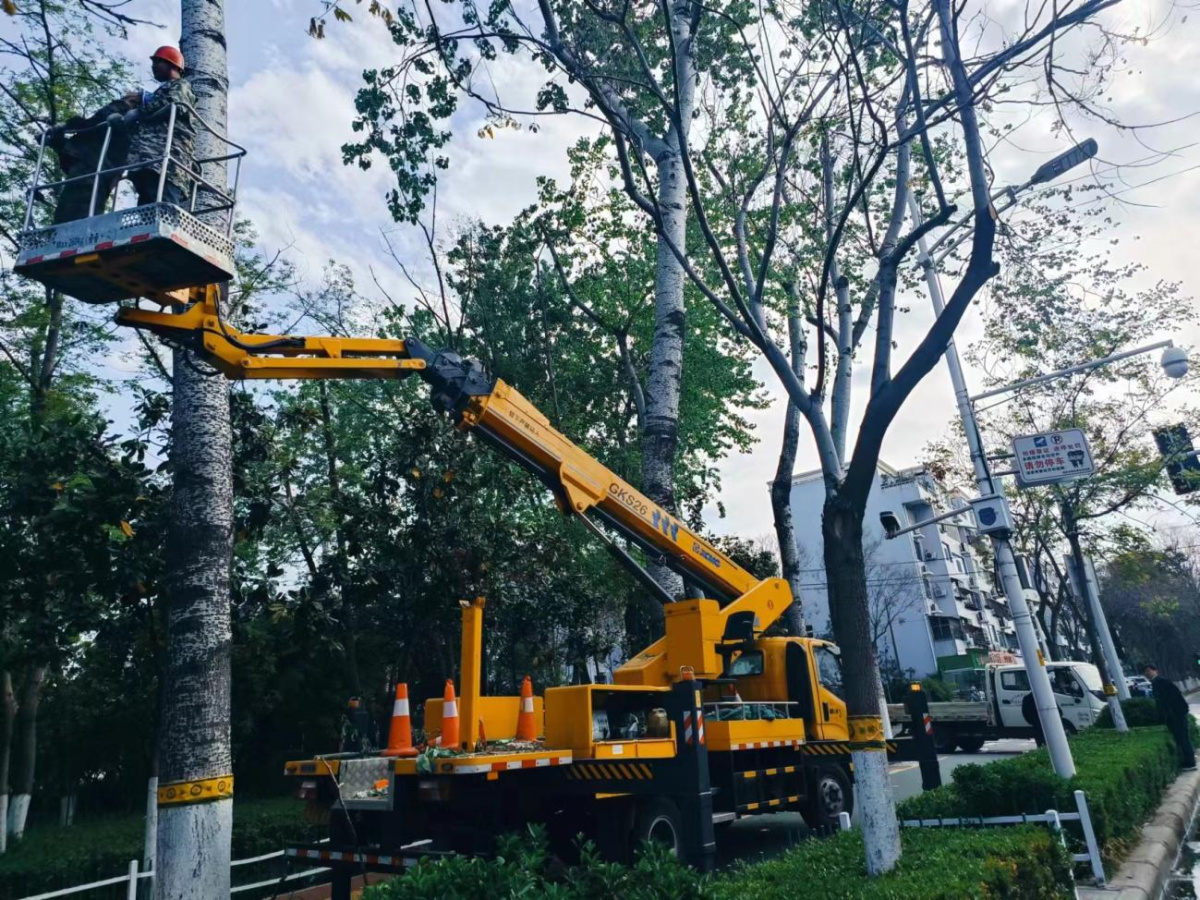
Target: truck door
{"x":800,"y":688}
{"x":1012,"y":685}
{"x":1073,"y":698}
{"x":831,"y":693}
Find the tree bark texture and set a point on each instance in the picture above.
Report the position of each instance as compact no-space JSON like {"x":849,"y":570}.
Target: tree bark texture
{"x":24,"y":741}
{"x":781,"y":487}
{"x":194,"y":839}
{"x":845,"y":568}
{"x":345,"y":598}
{"x":9,"y":712}
{"x":660,"y":436}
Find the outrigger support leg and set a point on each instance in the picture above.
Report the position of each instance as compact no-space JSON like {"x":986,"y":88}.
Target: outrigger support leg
{"x":695,"y":790}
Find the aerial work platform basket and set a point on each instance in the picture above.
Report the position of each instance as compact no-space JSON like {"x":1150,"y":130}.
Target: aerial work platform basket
{"x":138,"y":251}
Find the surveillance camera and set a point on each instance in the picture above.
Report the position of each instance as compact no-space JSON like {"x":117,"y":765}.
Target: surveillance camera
{"x":891,"y":524}
{"x":1175,"y":362}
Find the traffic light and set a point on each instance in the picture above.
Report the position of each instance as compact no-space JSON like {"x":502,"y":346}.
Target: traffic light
{"x":1183,"y":468}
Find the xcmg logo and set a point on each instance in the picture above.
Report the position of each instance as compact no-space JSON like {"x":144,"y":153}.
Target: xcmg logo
{"x":706,"y":554}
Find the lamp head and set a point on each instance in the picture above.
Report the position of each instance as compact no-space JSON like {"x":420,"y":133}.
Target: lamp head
{"x":1175,"y":362}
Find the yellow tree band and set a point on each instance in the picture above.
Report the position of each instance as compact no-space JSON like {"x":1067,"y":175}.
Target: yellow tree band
{"x":203,"y":790}
{"x":866,"y":733}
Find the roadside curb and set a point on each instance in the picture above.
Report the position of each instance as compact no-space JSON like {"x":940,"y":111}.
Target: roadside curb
{"x":1144,"y":873}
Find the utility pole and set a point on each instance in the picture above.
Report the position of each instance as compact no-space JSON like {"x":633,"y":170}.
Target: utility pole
{"x":1031,"y":654}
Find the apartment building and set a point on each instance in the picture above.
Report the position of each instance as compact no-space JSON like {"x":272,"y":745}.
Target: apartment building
{"x":935,"y":605}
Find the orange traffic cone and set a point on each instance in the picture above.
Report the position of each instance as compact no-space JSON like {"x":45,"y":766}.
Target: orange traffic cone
{"x":526,"y":726}
{"x":449,"y":717}
{"x":400,"y":735}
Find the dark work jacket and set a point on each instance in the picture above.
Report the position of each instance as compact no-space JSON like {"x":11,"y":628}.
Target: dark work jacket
{"x":78,"y":153}
{"x":1170,"y":700}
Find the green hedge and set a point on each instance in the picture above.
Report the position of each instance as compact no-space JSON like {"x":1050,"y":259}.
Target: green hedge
{"x":52,"y":857}
{"x":1140,"y":712}
{"x":1025,"y":863}
{"x":1123,"y":775}
{"x":944,"y":864}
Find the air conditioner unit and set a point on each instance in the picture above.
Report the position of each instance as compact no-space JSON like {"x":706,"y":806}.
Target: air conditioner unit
{"x":938,"y":591}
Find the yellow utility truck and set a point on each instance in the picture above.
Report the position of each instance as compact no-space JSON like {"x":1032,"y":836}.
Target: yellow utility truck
{"x":713,"y":722}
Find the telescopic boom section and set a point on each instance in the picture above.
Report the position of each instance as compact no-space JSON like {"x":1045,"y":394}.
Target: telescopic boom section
{"x":503,"y":418}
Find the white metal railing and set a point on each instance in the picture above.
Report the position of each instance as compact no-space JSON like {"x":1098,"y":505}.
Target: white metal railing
{"x":193,"y":168}
{"x":1051,"y":817}
{"x":133,"y":876}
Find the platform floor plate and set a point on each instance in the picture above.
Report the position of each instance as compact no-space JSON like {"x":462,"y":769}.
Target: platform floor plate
{"x":126,"y":254}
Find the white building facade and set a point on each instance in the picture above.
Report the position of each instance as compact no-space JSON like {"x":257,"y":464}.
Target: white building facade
{"x":934,"y":602}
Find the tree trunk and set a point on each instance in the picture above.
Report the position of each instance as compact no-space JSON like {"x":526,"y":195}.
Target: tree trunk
{"x":781,"y":487}
{"x":845,"y":567}
{"x":194,"y":838}
{"x":9,"y":712}
{"x":349,"y":611}
{"x":25,"y":741}
{"x":660,"y":436}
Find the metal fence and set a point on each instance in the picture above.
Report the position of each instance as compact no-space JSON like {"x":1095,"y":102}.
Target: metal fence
{"x":133,"y":877}
{"x":1051,"y":817}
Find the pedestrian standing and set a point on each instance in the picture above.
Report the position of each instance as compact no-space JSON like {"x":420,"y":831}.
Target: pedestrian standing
{"x":1173,"y":709}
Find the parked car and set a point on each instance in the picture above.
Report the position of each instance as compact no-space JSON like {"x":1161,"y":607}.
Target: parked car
{"x":1139,"y":686}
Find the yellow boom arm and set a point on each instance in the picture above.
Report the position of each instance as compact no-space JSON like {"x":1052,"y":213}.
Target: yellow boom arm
{"x":499,"y":415}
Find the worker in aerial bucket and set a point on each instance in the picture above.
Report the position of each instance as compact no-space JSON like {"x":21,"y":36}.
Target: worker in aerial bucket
{"x":148,"y":121}
{"x":78,"y":143}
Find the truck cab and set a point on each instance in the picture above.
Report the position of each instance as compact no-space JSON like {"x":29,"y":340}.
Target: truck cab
{"x":1078,"y":691}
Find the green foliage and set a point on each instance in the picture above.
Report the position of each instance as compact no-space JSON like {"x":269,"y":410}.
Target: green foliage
{"x":945,"y":864}
{"x":1140,"y":712}
{"x":523,"y":868}
{"x":937,"y":690}
{"x":1123,"y":775}
{"x":53,"y":857}
{"x":937,"y":864}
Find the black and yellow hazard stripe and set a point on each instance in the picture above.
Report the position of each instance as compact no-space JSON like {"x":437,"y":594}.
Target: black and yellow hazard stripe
{"x":609,"y":771}
{"x":751,"y":774}
{"x":767,"y":805}
{"x":836,"y":748}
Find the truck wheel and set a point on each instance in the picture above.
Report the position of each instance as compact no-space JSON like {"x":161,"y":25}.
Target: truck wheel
{"x":970,"y":744}
{"x":658,"y":821}
{"x":831,"y":795}
{"x":944,"y":743}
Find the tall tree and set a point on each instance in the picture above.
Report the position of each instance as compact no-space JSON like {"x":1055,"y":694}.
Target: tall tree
{"x":894,"y":84}
{"x":53,"y":66}
{"x":194,"y":838}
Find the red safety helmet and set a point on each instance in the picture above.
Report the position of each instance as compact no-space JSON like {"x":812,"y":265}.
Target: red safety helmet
{"x":169,"y":54}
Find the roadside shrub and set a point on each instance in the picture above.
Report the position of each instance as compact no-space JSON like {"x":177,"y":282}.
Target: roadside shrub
{"x":523,"y":868}
{"x":1026,"y":863}
{"x":1123,"y":775}
{"x":944,"y":864}
{"x":1140,"y":712}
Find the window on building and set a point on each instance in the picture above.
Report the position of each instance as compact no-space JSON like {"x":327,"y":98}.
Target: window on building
{"x":946,"y":554}
{"x":945,"y":628}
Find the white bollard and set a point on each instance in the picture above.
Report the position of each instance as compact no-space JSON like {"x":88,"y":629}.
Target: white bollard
{"x":133,"y":880}
{"x":843,"y":821}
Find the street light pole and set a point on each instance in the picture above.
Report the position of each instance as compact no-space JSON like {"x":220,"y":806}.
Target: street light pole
{"x":1035,"y":665}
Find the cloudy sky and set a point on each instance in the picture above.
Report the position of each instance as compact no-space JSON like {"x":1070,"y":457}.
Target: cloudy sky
{"x":291,"y":104}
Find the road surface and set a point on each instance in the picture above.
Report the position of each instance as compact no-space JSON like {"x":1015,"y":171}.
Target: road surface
{"x":765,"y":836}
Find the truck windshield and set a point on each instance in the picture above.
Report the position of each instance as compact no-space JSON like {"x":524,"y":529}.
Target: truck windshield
{"x":1089,"y":675}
